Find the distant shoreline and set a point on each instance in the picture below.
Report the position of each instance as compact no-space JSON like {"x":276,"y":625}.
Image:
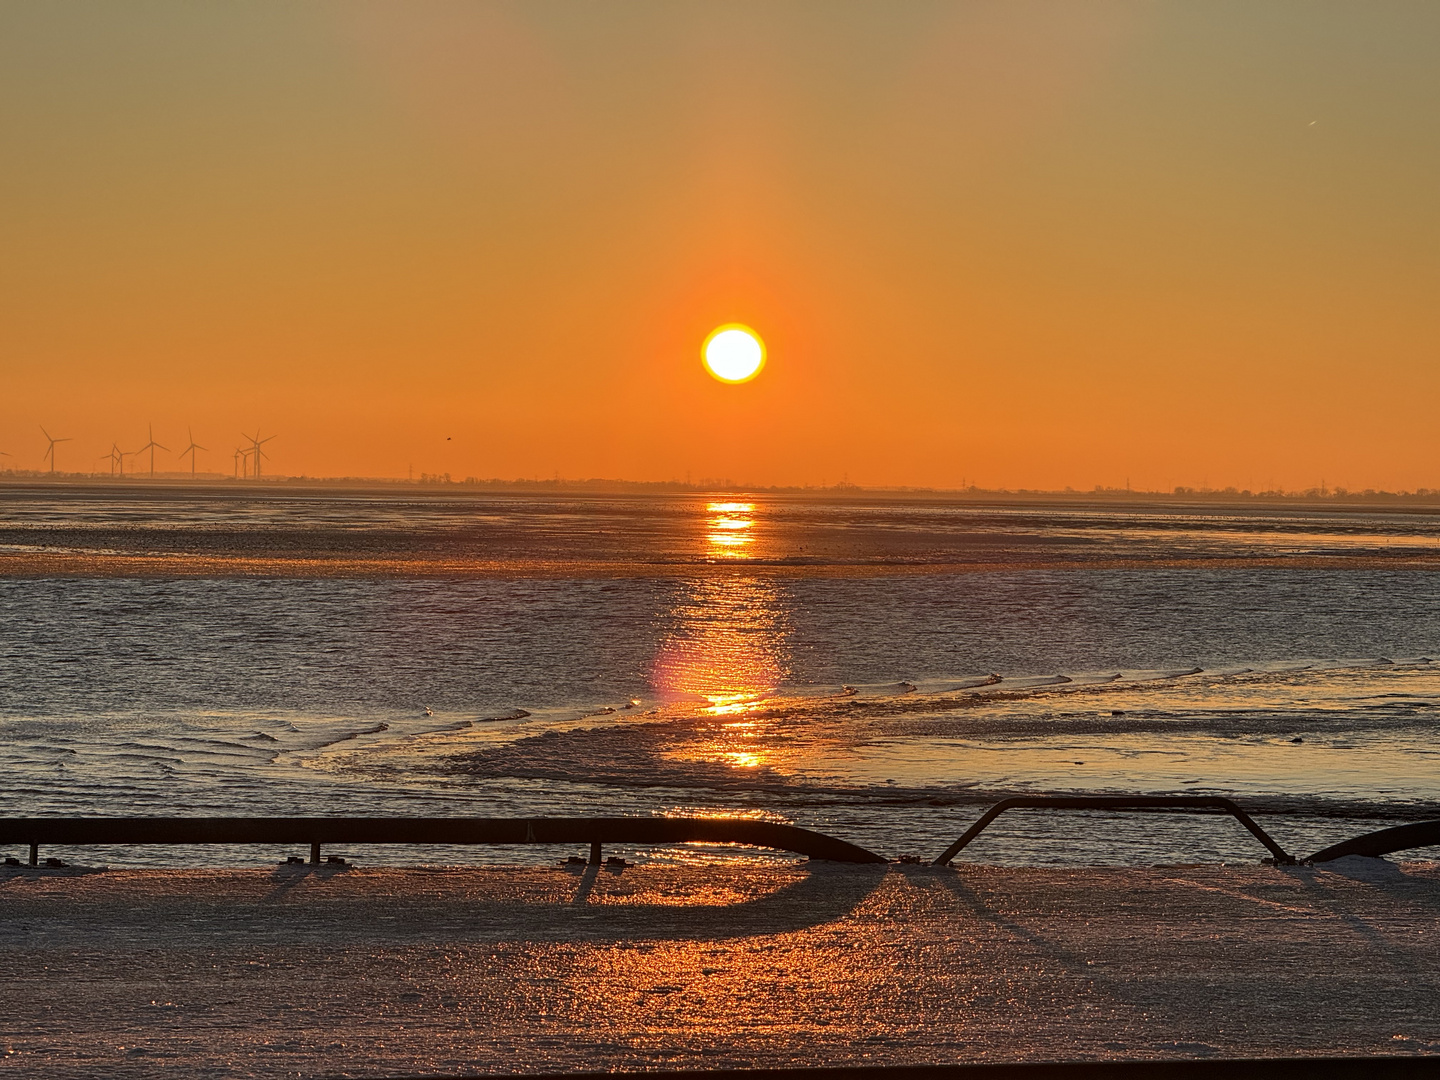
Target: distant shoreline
{"x":1183,"y":496}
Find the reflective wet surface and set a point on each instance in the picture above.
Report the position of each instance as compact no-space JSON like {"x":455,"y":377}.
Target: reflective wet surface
{"x":877,"y":669}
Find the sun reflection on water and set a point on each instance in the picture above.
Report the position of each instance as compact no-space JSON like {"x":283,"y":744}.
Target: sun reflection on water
{"x":728,"y":529}
{"x":725,"y":645}
{"x":726,"y":640}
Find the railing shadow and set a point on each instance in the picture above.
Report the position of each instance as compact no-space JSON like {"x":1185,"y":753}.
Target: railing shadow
{"x":347,"y":907}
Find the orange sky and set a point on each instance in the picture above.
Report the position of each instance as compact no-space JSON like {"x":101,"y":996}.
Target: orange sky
{"x":1010,"y":243}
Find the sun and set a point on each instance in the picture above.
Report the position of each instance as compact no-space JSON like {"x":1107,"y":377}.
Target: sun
{"x":733,"y":353}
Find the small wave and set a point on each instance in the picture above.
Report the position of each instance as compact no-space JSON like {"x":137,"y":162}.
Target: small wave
{"x":955,"y":685}
{"x":211,"y":746}
{"x":878,"y":689}
{"x":513,"y":714}
{"x":122,"y":755}
{"x":347,"y":736}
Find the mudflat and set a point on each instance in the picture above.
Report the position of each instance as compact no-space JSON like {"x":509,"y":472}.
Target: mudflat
{"x":353,"y":971}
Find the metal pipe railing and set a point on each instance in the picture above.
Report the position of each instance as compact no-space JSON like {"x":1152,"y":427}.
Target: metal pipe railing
{"x":464,"y":831}
{"x":1116,"y":802}
{"x":595,"y":832}
{"x":1383,"y":842}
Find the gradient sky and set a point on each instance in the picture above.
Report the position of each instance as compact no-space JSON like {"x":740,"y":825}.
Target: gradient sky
{"x":1008,"y":243}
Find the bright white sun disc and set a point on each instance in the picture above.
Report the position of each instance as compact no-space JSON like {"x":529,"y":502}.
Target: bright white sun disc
{"x":734,"y":353}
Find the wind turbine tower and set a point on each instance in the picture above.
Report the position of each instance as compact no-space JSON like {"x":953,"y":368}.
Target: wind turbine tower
{"x":191,"y":451}
{"x":117,"y":458}
{"x":152,"y":446}
{"x":255,"y":444}
{"x":50,"y":452}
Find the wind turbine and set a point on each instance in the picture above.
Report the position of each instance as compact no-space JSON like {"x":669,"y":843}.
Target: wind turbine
{"x":110,"y":457}
{"x":118,"y":456}
{"x":50,"y":453}
{"x":152,"y":446}
{"x":191,"y":451}
{"x":255,"y":443}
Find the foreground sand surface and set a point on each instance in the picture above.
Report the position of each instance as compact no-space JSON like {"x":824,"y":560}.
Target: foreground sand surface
{"x":350,"y":971}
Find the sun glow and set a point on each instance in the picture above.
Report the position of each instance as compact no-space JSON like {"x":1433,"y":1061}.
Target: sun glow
{"x":733,"y":353}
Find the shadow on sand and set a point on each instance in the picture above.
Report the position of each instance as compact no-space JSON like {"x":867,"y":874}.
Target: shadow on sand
{"x":331,"y":903}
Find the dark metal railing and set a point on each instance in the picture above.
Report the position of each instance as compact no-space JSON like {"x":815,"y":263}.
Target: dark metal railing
{"x":1116,"y":802}
{"x":320,"y":831}
{"x":1375,"y":844}
{"x":596,"y":832}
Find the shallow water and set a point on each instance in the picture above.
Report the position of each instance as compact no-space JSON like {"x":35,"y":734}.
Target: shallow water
{"x":875,"y":668}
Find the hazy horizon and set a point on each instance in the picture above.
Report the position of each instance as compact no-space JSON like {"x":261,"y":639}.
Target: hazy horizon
{"x":179,"y":479}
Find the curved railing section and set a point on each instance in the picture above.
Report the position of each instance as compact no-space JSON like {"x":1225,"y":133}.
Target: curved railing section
{"x":317,"y":832}
{"x":1376,"y":844}
{"x":1116,"y":802}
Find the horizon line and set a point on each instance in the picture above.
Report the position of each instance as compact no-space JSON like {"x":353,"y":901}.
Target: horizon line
{"x":443,"y":481}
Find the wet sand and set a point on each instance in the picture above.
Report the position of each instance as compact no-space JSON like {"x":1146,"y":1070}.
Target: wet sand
{"x":348,"y":971}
